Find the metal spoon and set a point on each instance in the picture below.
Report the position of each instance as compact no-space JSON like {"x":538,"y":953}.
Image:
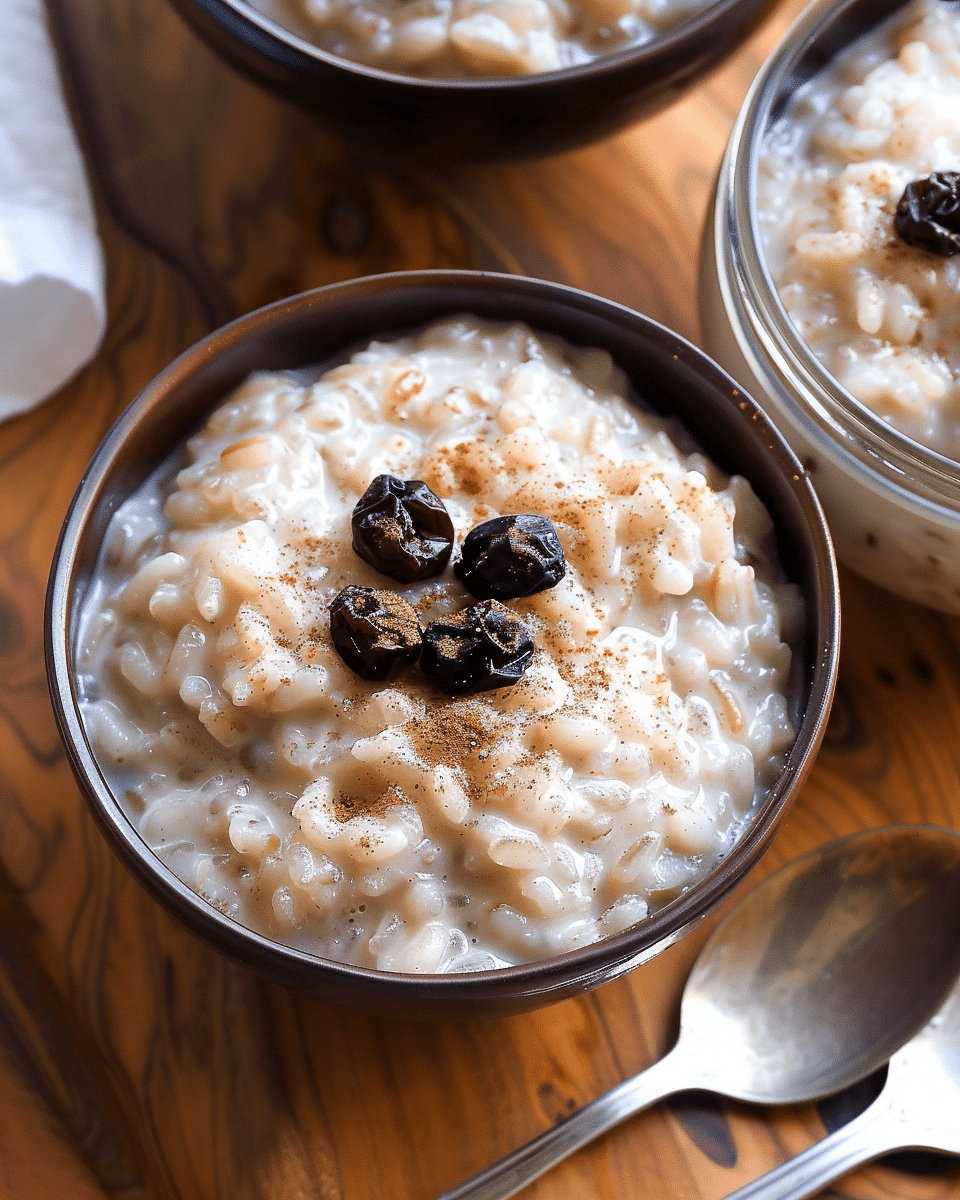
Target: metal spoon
{"x":917,"y":1110}
{"x":818,"y":975}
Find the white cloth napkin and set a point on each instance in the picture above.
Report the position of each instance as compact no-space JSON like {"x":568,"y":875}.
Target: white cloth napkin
{"x":52,"y":305}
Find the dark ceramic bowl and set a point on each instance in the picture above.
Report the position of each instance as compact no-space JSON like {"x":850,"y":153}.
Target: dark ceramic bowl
{"x":671,"y":375}
{"x":469,"y":120}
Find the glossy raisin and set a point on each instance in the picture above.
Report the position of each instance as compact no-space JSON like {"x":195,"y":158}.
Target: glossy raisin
{"x":511,"y":556}
{"x":376,"y":633}
{"x":403,"y":529}
{"x":928,"y":214}
{"x":476,"y":650}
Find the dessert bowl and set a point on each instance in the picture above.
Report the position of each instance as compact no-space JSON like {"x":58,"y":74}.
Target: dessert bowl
{"x":869,"y":414}
{"x":507,"y":116}
{"x":673,"y":378}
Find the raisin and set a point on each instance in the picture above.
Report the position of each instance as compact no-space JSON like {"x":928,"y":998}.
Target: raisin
{"x":375,"y":632}
{"x":511,"y":556}
{"x":477,"y":649}
{"x":403,"y":529}
{"x":928,"y":214}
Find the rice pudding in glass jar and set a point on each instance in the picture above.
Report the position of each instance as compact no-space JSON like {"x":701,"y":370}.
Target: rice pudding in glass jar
{"x":833,"y":310}
{"x":878,"y":307}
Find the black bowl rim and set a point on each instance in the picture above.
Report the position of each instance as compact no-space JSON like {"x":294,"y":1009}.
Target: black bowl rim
{"x":242,"y":14}
{"x":533,"y":983}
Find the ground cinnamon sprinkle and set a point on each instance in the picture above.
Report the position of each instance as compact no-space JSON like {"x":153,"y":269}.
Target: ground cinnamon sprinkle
{"x":452,"y":733}
{"x":345,"y":807}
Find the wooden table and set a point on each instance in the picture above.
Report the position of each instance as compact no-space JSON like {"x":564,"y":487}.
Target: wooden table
{"x":135,"y":1062}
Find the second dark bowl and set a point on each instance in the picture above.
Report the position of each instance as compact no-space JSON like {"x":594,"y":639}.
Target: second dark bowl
{"x":475,"y":119}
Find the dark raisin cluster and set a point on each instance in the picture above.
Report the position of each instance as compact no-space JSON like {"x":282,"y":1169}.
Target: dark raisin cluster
{"x":403,"y":530}
{"x":928,"y":214}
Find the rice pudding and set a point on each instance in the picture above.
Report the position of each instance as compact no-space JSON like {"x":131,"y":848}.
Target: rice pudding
{"x":880,"y":312}
{"x":387,"y":823}
{"x":454,"y":39}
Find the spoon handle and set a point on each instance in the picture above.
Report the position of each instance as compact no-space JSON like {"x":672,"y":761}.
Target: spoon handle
{"x":522,"y":1166}
{"x":877,"y":1130}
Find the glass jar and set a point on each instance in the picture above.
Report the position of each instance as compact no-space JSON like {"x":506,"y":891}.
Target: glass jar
{"x":893,"y":505}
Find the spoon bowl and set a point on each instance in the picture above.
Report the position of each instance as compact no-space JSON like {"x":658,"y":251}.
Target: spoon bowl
{"x":916,"y":1110}
{"x":822,"y":972}
{"x":807,"y":986}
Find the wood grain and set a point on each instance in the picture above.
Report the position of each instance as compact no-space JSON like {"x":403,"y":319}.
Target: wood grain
{"x":134,"y":1061}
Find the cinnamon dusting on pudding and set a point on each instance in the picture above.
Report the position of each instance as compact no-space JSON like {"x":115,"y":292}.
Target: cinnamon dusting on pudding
{"x":345,"y":807}
{"x":453,"y":732}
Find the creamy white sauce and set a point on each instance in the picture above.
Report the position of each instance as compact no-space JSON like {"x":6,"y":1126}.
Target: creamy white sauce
{"x":389,"y":825}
